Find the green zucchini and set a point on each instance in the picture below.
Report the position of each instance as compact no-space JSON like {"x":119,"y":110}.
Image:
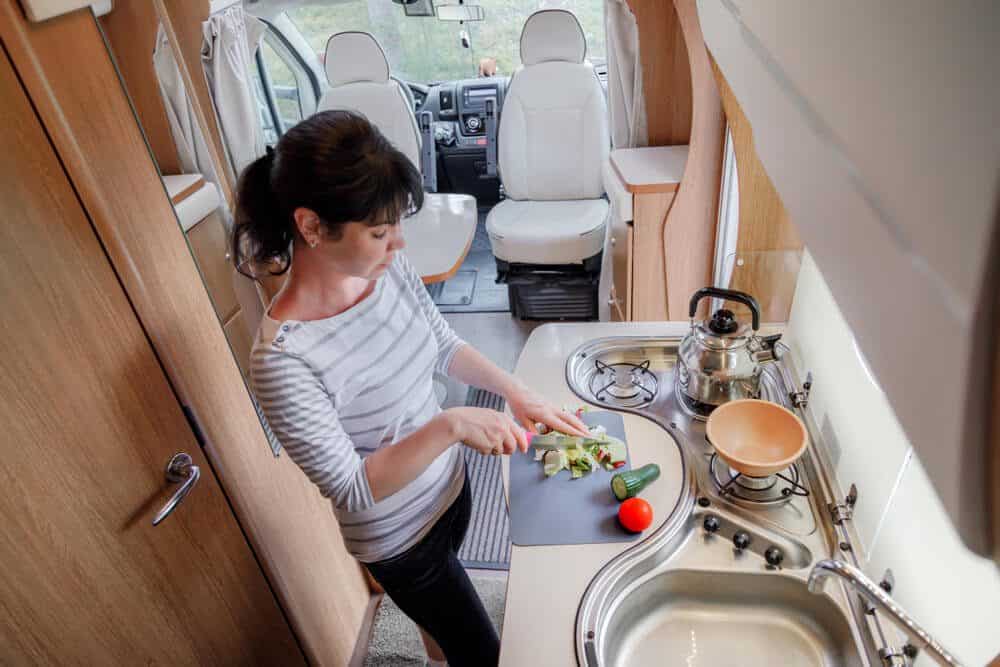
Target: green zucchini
{"x":629,"y":483}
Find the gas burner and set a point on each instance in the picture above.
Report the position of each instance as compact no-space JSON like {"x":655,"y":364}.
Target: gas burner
{"x":693,"y":408}
{"x":623,"y":384}
{"x":771,"y":490}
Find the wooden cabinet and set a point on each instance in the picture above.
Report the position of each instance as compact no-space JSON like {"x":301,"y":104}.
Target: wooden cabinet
{"x":208,"y":241}
{"x":295,"y":536}
{"x":641,"y":183}
{"x":621,"y":270}
{"x":90,"y":422}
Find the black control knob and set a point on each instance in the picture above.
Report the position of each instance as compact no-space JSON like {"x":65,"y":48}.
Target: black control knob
{"x":711,"y":524}
{"x":774,"y":556}
{"x":741,"y":540}
{"x":473,"y":123}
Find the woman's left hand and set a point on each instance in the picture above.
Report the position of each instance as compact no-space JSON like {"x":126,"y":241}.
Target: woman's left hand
{"x":529,"y":409}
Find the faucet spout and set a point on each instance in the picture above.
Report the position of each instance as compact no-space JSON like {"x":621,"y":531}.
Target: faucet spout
{"x":872,"y":592}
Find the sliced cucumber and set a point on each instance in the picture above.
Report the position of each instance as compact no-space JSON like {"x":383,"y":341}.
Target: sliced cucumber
{"x":627,"y":484}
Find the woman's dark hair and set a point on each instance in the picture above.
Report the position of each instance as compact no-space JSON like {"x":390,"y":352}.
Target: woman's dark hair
{"x":335,"y":163}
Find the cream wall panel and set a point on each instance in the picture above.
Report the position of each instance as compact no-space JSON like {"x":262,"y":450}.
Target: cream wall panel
{"x":860,"y":429}
{"x":952,"y":592}
{"x":903,"y":524}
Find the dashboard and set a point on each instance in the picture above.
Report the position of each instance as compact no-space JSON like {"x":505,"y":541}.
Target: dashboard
{"x":463,"y":105}
{"x":458,"y":109}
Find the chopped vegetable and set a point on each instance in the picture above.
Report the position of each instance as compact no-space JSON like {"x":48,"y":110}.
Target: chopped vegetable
{"x":580,"y":455}
{"x":554,"y":461}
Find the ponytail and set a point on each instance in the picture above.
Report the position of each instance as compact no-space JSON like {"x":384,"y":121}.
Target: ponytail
{"x":334,"y":163}
{"x":262,"y":235}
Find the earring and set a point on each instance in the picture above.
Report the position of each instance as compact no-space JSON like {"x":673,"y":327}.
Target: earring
{"x":313,"y":244}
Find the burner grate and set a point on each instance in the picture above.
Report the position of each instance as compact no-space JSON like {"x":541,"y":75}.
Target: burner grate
{"x":777,"y":488}
{"x":623,"y":384}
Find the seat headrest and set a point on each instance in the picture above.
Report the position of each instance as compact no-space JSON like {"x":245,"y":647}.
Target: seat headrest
{"x":355,"y":56}
{"x":552,"y":35}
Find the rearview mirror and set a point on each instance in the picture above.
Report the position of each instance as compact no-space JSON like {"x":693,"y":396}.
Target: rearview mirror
{"x":460,"y":13}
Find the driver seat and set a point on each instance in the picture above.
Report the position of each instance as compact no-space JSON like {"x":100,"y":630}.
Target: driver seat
{"x":553,"y":141}
{"x":440,"y":234}
{"x":358,"y":74}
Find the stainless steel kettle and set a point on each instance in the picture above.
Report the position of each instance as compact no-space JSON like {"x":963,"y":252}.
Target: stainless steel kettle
{"x":718,"y":360}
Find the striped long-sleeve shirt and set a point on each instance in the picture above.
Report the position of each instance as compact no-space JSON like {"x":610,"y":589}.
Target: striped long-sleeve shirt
{"x":336,"y":390}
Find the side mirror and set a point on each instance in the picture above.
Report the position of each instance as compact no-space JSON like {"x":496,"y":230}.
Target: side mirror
{"x":460,"y":13}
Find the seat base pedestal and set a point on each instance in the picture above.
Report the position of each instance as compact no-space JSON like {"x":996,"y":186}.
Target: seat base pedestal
{"x":552,"y":292}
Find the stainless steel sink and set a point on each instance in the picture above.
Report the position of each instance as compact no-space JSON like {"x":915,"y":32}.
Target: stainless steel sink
{"x":697,"y":617}
{"x":687,"y":594}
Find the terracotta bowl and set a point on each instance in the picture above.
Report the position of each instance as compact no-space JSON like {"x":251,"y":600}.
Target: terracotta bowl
{"x":756,"y":438}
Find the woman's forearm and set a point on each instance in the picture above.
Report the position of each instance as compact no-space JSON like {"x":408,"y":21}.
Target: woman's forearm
{"x":391,"y":468}
{"x":527,"y":408}
{"x":472,"y":368}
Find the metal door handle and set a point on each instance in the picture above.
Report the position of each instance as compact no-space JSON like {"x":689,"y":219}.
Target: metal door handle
{"x":181,"y":468}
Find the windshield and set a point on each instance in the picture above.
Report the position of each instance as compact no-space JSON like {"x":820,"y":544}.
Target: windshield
{"x":427,"y":50}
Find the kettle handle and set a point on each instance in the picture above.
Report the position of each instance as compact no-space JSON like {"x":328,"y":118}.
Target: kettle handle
{"x":729,"y":295}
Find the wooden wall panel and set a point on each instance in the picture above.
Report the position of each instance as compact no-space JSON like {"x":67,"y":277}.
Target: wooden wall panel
{"x":291,"y":527}
{"x":131,"y":33}
{"x":689,"y":232}
{"x":649,"y":285}
{"x":768,"y":240}
{"x":666,"y":72}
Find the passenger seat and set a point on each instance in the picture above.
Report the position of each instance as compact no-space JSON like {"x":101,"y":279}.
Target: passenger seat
{"x":553,"y":141}
{"x":440,"y":234}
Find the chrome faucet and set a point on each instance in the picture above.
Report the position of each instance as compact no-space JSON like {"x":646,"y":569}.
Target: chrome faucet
{"x":878,"y":597}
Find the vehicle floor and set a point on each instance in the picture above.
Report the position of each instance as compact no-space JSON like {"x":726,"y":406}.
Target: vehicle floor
{"x":395,"y":640}
{"x":473,"y":288}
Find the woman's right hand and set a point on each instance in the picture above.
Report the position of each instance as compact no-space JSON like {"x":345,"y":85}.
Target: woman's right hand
{"x":487,"y":431}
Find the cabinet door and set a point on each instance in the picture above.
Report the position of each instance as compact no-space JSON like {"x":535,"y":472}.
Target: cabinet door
{"x":621,"y":268}
{"x":210,"y":247}
{"x":90,"y":422}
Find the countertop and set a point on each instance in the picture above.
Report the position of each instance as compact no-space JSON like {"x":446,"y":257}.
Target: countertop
{"x":650,"y":169}
{"x":546,"y":583}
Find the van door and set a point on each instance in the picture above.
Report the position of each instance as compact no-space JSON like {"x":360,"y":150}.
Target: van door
{"x":90,"y":422}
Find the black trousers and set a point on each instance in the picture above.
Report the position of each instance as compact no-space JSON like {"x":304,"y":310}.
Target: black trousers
{"x":429,"y":584}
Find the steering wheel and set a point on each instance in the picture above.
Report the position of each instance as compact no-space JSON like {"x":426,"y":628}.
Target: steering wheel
{"x":418,"y":93}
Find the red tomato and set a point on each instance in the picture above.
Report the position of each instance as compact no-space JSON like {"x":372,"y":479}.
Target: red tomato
{"x":635,"y":514}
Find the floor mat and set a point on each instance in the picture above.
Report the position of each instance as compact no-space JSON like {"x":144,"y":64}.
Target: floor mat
{"x":487,"y":296}
{"x":487,"y":542}
{"x":395,"y":640}
{"x":457,"y":291}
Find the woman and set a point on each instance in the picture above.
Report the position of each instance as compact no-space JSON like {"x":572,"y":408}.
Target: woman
{"x":343,"y":368}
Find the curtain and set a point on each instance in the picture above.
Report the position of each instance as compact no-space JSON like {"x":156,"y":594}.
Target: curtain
{"x":626,"y":103}
{"x":231,"y":39}
{"x":188,"y":138}
{"x":195,"y":158}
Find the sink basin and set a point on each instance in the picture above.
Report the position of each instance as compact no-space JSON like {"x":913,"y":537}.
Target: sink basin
{"x":695,"y":617}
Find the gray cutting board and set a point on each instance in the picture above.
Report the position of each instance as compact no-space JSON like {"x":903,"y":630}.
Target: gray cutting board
{"x":561,"y":510}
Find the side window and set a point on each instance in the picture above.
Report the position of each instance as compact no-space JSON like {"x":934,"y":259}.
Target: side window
{"x":286,"y":93}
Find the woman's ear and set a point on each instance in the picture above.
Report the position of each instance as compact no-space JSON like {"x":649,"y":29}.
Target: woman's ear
{"x":308,"y":224}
